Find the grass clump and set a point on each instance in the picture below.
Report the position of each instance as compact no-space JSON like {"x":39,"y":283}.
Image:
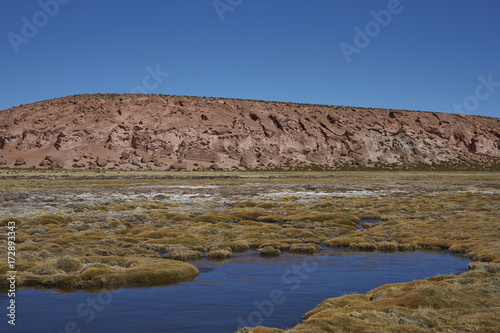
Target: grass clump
{"x":101,"y":271}
{"x":269,"y":251}
{"x":96,"y":270}
{"x":458,"y":248}
{"x":213,"y":218}
{"x":123,"y":270}
{"x":163,"y":216}
{"x":237,"y":245}
{"x":68,"y":264}
{"x":51,"y":219}
{"x":364,"y":246}
{"x":5,"y":222}
{"x":305,"y":248}
{"x":246,"y":203}
{"x":248,"y":214}
{"x":266,"y":205}
{"x":219,"y":254}
{"x":271,"y":218}
{"x":407,"y":247}
{"x":183,"y":255}
{"x":45,"y":269}
{"x":387,"y":246}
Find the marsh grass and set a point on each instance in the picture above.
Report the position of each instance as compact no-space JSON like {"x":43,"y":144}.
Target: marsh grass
{"x":236,"y":245}
{"x":52,"y":219}
{"x":215,"y":218}
{"x":248,"y":214}
{"x":100,"y":271}
{"x":6,"y":221}
{"x":419,"y":306}
{"x":305,"y":248}
{"x":220,"y":254}
{"x":183,"y":255}
{"x":387,"y":246}
{"x":365,"y":246}
{"x":45,"y":269}
{"x":68,"y":264}
{"x":269,"y":251}
{"x":119,"y":243}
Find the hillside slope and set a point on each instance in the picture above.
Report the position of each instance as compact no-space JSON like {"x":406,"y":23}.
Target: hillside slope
{"x":155,"y":131}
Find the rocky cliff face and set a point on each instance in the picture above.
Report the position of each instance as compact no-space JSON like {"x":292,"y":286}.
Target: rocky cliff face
{"x":145,"y":131}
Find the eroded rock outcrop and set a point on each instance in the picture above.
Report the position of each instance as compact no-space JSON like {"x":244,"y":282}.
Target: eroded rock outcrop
{"x":137,"y":131}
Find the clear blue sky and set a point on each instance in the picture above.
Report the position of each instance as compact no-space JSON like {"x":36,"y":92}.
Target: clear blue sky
{"x":428,"y":57}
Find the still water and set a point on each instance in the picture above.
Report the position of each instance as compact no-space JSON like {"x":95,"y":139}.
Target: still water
{"x":246,"y":290}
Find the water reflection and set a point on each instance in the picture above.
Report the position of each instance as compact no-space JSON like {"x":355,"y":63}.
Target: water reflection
{"x":248,"y":289}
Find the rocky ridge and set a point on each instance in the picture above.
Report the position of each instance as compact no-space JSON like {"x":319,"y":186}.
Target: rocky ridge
{"x":177,"y":132}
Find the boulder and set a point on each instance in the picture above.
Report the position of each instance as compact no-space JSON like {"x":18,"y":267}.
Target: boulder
{"x":179,"y":166}
{"x":101,"y":162}
{"x":125,"y":155}
{"x":19,"y":161}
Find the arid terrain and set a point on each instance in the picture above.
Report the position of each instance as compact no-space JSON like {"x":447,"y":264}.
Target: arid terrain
{"x":158,"y":132}
{"x":91,"y":184}
{"x":88,"y":229}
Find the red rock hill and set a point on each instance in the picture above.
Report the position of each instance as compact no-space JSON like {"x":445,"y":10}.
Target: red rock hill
{"x":149,"y":131}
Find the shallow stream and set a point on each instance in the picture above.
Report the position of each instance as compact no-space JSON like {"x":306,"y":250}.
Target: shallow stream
{"x":246,"y":290}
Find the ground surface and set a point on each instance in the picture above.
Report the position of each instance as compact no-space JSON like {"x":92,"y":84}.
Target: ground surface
{"x":88,"y":229}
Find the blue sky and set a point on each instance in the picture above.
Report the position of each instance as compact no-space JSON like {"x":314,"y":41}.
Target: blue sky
{"x":419,"y":55}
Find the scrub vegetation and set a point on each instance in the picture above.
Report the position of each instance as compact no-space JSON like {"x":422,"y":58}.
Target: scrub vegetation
{"x":119,"y":242}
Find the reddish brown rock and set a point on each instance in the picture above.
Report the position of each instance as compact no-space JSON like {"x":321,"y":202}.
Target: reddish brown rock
{"x":236,"y":132}
{"x":55,"y":162}
{"x":19,"y":161}
{"x":200,"y":154}
{"x":146,"y":158}
{"x":179,"y":165}
{"x":101,"y":162}
{"x":125,"y":155}
{"x":136,"y":161}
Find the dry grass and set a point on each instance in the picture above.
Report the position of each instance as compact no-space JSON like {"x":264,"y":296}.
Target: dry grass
{"x":305,"y":248}
{"x":269,"y":251}
{"x":100,"y":271}
{"x":387,"y":246}
{"x":418,"y":306}
{"x":365,"y":246}
{"x":221,"y":254}
{"x":51,"y":219}
{"x":431,"y":211}
{"x":183,"y":255}
{"x":68,"y":264}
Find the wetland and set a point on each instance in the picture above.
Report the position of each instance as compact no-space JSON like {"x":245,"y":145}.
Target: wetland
{"x":147,"y":233}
